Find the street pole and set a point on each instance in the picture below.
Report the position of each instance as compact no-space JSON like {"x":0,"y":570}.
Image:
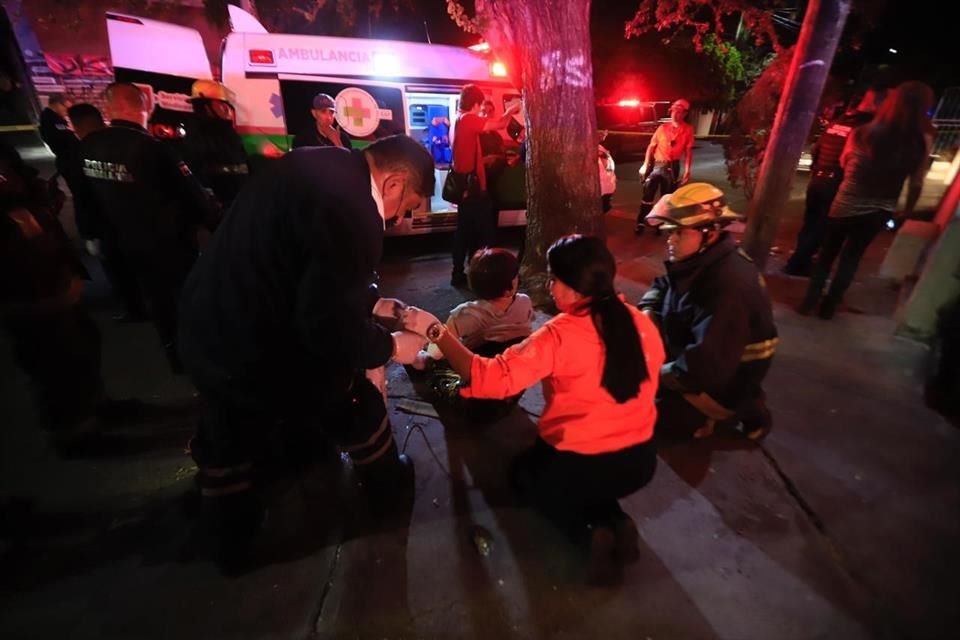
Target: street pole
{"x":812,"y":58}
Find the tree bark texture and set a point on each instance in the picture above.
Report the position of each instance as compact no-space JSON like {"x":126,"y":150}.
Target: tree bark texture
{"x":548,"y":43}
{"x":819,"y":36}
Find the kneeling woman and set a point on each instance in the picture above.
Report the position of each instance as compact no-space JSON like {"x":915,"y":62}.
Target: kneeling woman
{"x":599,"y":360}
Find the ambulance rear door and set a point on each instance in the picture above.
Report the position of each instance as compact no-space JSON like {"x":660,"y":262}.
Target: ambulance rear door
{"x":164,"y":60}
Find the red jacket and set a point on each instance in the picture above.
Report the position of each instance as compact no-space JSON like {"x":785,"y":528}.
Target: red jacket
{"x":568,"y":355}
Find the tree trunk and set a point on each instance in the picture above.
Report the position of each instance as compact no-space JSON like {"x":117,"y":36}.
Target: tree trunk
{"x":548,"y":43}
{"x":819,"y":36}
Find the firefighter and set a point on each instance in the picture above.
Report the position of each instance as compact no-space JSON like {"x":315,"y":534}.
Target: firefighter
{"x":155,"y":206}
{"x":715,"y":318}
{"x":277,"y":328}
{"x":212,"y":148}
{"x":672,"y":143}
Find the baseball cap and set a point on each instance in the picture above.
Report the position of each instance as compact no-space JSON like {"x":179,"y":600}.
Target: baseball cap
{"x":323,"y":101}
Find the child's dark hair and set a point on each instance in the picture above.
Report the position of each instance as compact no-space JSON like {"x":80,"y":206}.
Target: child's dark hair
{"x":584,"y":264}
{"x":492,"y":271}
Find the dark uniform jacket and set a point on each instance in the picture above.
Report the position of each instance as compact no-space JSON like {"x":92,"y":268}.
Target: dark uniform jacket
{"x":282,"y":294}
{"x":58,"y":135}
{"x":38,"y":267}
{"x":313,"y":138}
{"x":214,"y":152}
{"x":717,"y":325}
{"x":147,"y":194}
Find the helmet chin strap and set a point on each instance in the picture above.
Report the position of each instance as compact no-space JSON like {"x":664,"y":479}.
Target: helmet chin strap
{"x":704,"y":234}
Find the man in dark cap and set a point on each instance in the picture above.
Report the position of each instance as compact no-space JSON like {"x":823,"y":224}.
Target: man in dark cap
{"x":325,"y":132}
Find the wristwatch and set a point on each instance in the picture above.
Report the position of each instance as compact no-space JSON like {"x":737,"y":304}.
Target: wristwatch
{"x":434,"y":331}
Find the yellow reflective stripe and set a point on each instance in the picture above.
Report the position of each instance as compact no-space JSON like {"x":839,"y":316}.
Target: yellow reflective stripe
{"x":763,"y":346}
{"x":750,"y":356}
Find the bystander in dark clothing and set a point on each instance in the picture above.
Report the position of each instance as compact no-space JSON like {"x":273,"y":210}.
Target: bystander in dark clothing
{"x":54,"y":340}
{"x":825,"y":177}
{"x":877,"y":158}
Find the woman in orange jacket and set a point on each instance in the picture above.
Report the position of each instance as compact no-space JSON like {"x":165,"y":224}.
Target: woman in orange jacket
{"x":599,"y":361}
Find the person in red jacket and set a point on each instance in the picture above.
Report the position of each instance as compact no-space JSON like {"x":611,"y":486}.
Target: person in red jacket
{"x":599,"y":361}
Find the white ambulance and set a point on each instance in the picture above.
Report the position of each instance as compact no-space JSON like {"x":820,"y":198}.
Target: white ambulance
{"x":381,"y":87}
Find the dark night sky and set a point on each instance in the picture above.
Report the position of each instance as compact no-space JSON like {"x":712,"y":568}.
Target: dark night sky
{"x":919,"y":30}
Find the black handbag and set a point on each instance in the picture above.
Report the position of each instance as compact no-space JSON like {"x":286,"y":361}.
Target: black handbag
{"x":458,"y":186}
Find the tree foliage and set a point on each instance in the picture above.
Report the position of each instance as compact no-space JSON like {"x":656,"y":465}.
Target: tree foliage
{"x":704,"y":17}
{"x":750,"y":123}
{"x":316,"y":17}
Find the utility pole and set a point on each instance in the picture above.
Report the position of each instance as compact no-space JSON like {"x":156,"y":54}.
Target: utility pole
{"x":812,"y":58}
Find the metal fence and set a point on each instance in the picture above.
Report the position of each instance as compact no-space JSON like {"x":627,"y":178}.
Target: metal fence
{"x":946,"y":120}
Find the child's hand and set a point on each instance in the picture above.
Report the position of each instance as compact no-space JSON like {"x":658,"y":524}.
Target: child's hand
{"x":406,"y":346}
{"x":423,"y":361}
{"x":417,"y":320}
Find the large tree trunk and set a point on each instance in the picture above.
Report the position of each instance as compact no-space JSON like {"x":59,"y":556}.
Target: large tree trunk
{"x":548,"y":44}
{"x":819,"y":36}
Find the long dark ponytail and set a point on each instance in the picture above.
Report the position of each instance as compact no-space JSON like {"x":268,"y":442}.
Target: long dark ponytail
{"x":584,"y":264}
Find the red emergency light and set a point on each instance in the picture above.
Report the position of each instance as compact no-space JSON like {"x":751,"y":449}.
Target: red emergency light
{"x":629,"y":102}
{"x":261,"y":56}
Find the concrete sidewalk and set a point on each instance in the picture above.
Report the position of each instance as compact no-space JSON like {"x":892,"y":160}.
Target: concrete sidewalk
{"x":843,"y":524}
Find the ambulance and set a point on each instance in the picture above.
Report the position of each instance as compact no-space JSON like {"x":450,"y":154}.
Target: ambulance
{"x":381,"y":88}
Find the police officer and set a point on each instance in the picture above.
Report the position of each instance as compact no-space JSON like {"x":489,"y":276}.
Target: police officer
{"x":212,"y":148}
{"x":325,"y":132}
{"x":55,"y":130}
{"x":156,"y":207}
{"x":825,"y":178}
{"x":715,"y":318}
{"x":277,"y":326}
{"x":672,"y":143}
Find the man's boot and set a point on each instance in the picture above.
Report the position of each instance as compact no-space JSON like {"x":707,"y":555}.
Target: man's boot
{"x":810,"y":301}
{"x":828,"y":307}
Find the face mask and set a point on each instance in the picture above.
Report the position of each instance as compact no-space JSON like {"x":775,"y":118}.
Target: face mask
{"x":378,"y":199}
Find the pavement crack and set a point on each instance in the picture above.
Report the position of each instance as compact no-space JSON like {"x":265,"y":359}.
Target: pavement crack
{"x":881,"y":621}
{"x":327,"y":587}
{"x":794,"y":492}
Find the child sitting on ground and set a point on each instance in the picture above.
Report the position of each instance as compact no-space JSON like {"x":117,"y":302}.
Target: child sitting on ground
{"x":499,"y":318}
